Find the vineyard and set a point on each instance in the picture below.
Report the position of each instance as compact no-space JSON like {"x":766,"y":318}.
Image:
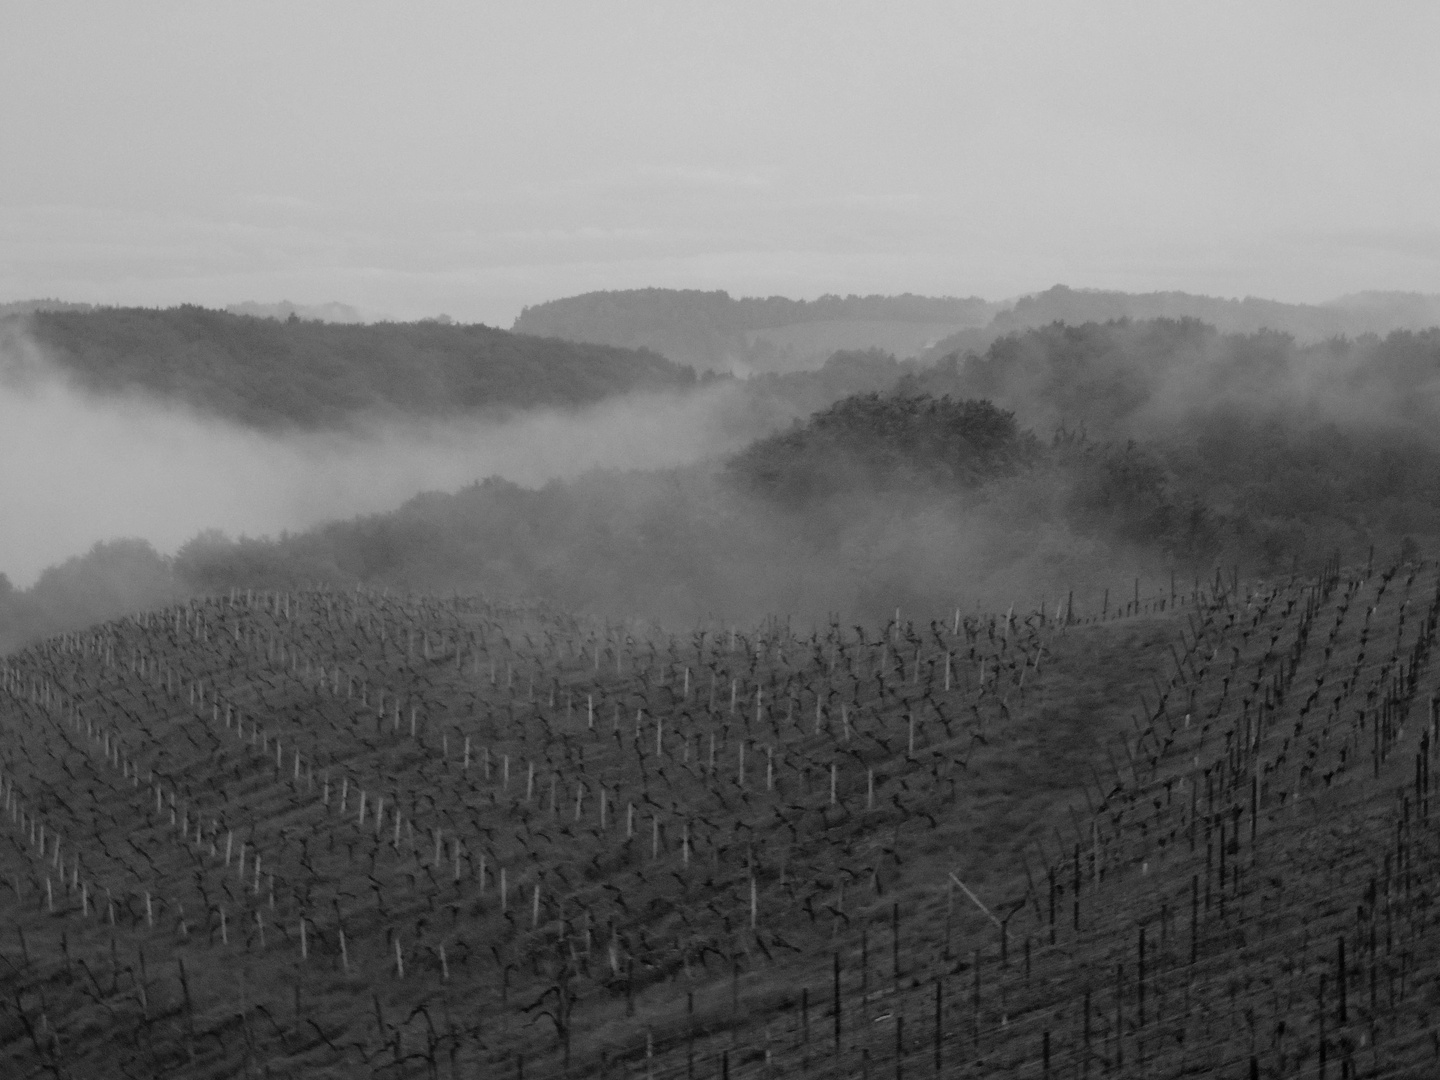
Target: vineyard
{"x":325,"y":833}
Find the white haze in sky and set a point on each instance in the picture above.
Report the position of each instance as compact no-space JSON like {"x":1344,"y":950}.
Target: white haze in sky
{"x":77,"y":470}
{"x":474,"y":158}
{"x":471,"y":158}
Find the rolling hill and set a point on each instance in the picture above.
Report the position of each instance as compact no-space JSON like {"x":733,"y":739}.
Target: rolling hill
{"x":1349,"y":316}
{"x":309,"y":375}
{"x":313,"y":832}
{"x":358,"y":806}
{"x":714,"y":331}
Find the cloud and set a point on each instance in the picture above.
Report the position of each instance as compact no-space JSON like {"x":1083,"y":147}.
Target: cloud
{"x":77,"y":469}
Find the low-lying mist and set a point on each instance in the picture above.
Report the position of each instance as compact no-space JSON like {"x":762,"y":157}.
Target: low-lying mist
{"x":81,"y":469}
{"x":876,"y":503}
{"x":686,"y":546}
{"x":1141,"y":379}
{"x":1159,"y":451}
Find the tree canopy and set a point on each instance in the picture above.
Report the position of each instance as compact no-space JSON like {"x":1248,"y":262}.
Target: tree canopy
{"x":304,"y":374}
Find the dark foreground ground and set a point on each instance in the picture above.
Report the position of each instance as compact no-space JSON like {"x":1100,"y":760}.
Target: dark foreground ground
{"x":321,"y":834}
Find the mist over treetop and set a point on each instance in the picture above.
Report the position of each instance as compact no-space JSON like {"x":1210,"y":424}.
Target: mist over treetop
{"x":1048,"y":462}
{"x":1126,"y":377}
{"x":1057,"y":458}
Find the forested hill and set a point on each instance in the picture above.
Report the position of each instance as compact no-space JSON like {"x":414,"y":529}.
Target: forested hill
{"x":299,"y":374}
{"x":1127,"y":378}
{"x":716,"y":330}
{"x":1306,"y":321}
{"x":1348,"y":316}
{"x":1060,"y":458}
{"x":1059,"y":455}
{"x":886,"y":441}
{"x":774,"y":334}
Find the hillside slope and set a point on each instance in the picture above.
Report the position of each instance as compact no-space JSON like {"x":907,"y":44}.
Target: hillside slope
{"x":311,"y":375}
{"x":320,"y":833}
{"x":1351,"y":316}
{"x":712,"y":330}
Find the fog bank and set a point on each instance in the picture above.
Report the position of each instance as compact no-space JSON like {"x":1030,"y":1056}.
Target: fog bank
{"x":78,"y":469}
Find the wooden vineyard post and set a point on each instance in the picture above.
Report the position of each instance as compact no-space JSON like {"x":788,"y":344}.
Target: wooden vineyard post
{"x":189,"y":1006}
{"x":895,"y":944}
{"x":939,"y":1008}
{"x":864,"y":963}
{"x":1140,"y":983}
{"x":1340,"y":975}
{"x":690,"y":1035}
{"x":1076,"y":897}
{"x":735,"y":990}
{"x":141,"y":986}
{"x":1051,"y":872}
{"x":835,"y":961}
{"x":949,"y":914}
{"x":1194,"y":916}
{"x":1254,"y":807}
{"x":975,"y":1004}
{"x":1119,"y":1016}
{"x":1095,"y":854}
{"x":804,"y":1014}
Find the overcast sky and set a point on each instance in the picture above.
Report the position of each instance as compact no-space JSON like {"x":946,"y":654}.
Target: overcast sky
{"x":472,"y":158}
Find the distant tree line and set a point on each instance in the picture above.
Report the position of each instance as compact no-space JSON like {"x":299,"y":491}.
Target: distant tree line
{"x":311,"y":375}
{"x":1055,"y":457}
